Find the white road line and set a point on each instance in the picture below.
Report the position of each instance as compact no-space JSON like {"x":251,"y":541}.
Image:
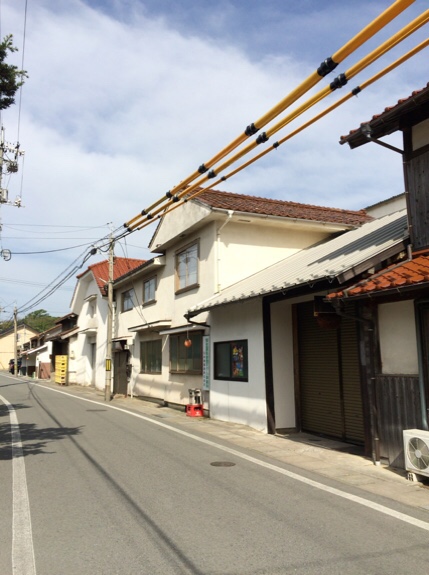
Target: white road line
{"x":338,"y":492}
{"x":23,"y":562}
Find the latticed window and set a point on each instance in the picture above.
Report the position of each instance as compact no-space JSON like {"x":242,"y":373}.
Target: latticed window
{"x":151,"y":356}
{"x":186,"y":358}
{"x":187,"y":267}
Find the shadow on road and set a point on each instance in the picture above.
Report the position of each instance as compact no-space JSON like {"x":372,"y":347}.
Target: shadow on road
{"x":34,"y":439}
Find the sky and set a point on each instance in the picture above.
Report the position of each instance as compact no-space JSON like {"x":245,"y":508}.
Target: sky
{"x":126,"y":98}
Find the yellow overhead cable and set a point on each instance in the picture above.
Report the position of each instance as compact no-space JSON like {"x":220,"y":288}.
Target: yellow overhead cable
{"x":313,"y":120}
{"x":262,"y":138}
{"x":325,"y":68}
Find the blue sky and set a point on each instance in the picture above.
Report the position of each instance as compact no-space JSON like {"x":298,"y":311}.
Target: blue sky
{"x":125,"y":98}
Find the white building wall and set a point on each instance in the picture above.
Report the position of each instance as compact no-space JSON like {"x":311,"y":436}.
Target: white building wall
{"x":283,"y":367}
{"x":398,"y":340}
{"x":246,"y":248}
{"x":92,"y":329}
{"x":237,"y":401}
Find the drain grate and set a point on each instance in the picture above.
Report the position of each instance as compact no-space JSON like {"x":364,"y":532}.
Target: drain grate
{"x":222,"y":464}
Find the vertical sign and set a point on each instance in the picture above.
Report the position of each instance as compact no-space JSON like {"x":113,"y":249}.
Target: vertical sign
{"x":206,"y":362}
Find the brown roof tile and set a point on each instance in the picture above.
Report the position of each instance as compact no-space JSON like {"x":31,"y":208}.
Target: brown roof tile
{"x":121,"y":266}
{"x":409,"y":273}
{"x":281,"y":208}
{"x":387,"y":121}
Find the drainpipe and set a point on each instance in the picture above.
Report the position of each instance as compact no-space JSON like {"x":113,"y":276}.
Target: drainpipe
{"x":217,"y":282}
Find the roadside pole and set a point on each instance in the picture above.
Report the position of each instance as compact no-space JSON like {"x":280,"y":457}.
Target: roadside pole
{"x":15,"y":340}
{"x":108,"y":384}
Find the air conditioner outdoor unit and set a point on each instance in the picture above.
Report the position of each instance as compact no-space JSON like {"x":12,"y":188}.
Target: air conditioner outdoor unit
{"x":416,"y":451}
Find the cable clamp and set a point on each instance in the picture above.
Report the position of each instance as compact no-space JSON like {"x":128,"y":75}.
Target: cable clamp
{"x":262,"y":138}
{"x":356,"y":90}
{"x":251,"y":130}
{"x":211,"y":174}
{"x":149,"y":216}
{"x":202,"y":169}
{"x":276,"y":145}
{"x":339,"y":82}
{"x":326,"y":67}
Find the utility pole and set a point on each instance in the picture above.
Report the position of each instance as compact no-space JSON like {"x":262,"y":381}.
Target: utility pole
{"x":108,"y":384}
{"x":15,"y":340}
{"x":11,"y":165}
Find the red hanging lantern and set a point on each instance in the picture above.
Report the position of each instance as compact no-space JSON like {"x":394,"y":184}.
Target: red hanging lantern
{"x":188,"y":342}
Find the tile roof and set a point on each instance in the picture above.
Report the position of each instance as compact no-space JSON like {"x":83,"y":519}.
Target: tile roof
{"x":121,"y":266}
{"x":411,"y":273}
{"x":280,"y":208}
{"x":335,"y":260}
{"x":389,"y":120}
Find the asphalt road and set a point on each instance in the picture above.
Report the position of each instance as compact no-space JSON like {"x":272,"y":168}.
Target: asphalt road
{"x":88,"y":490}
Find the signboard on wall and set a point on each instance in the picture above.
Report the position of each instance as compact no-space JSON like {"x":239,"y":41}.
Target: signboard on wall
{"x":206,"y":362}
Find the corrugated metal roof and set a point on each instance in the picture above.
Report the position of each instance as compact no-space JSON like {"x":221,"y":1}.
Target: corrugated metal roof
{"x":331,"y":260}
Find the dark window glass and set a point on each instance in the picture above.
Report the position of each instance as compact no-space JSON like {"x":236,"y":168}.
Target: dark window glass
{"x":151,"y":356}
{"x":183,"y":358}
{"x":231,"y":360}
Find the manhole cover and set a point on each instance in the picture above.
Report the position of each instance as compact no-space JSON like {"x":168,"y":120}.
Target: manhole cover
{"x":222,"y":464}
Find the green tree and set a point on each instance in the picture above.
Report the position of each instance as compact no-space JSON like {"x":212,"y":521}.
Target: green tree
{"x":40,"y":320}
{"x":10,"y":77}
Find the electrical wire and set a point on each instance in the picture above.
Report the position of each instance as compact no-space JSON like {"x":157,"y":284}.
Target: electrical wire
{"x":274,"y":146}
{"x":22,"y":68}
{"x":325,"y":68}
{"x":393,"y":41}
{"x":61,"y":280}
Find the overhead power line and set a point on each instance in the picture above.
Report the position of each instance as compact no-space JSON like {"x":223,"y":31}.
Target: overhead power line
{"x":340,"y":81}
{"x":325,"y":68}
{"x":276,"y":145}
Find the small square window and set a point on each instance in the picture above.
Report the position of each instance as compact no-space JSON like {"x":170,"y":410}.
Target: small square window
{"x":231,"y":360}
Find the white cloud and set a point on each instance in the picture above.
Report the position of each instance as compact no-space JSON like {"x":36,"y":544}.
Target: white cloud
{"x":125,"y":100}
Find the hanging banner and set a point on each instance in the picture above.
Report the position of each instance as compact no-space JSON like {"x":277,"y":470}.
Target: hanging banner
{"x":206,"y":362}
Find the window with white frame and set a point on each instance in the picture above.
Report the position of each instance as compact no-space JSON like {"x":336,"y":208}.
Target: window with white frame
{"x":149,"y":290}
{"x":187,"y":267}
{"x":128,"y":299}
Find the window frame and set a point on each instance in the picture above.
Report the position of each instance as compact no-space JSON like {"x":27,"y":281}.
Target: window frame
{"x":147,"y":354}
{"x":228,"y":348}
{"x":185,"y":355}
{"x":188,"y":286}
{"x":145,"y":282}
{"x":131,"y":297}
